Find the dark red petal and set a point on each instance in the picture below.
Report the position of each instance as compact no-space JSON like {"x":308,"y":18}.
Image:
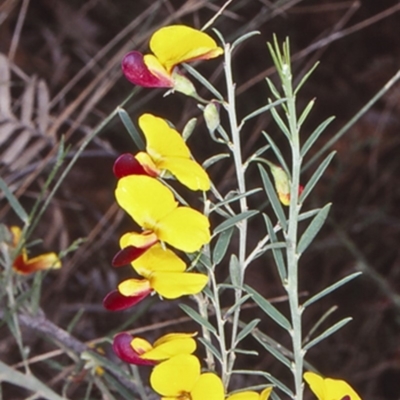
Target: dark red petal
{"x":126,"y":164}
{"x":136,"y":71}
{"x":114,"y":301}
{"x":123,"y":349}
{"x":128,"y":254}
{"x":346,"y":398}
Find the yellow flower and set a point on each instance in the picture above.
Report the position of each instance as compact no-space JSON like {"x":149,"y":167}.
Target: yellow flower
{"x":166,"y":150}
{"x":164,"y":273}
{"x":180,"y":378}
{"x":330,"y":389}
{"x":24,"y":265}
{"x":171,"y":45}
{"x":250,"y":395}
{"x":153,"y":207}
{"x":136,"y":350}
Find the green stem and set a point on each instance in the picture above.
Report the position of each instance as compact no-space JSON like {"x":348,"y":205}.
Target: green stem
{"x":240,"y":176}
{"x":291,"y":234}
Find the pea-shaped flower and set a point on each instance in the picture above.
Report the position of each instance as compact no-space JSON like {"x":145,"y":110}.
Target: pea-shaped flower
{"x":171,"y":45}
{"x":138,"y":351}
{"x":165,"y":151}
{"x":330,"y":389}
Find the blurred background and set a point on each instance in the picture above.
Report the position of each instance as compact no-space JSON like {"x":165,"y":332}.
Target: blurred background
{"x":60,"y":76}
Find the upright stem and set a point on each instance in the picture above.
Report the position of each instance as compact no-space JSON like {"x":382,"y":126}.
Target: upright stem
{"x":240,"y":176}
{"x":291,"y":234}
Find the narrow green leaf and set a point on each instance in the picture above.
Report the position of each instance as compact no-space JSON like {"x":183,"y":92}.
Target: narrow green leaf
{"x":189,"y":128}
{"x":327,"y":333}
{"x":212,"y":348}
{"x":316,"y":177}
{"x":312,"y":229}
{"x":280,"y":123}
{"x":331,"y":288}
{"x":232,"y":309}
{"x":203,"y":81}
{"x":274,"y":351}
{"x":198,"y":318}
{"x":305,"y":113}
{"x":234,"y":220}
{"x":261,"y":110}
{"x":269,"y":309}
{"x":130,"y":127}
{"x":273,"y":197}
{"x":247,"y":330}
{"x":278,"y":153}
{"x":234,"y":271}
{"x":14,"y":203}
{"x":273,"y":88}
{"x":221,"y":246}
{"x":256,"y":154}
{"x":315,"y":135}
{"x":29,"y":382}
{"x":276,"y":252}
{"x":245,"y":352}
{"x":305,"y":77}
{"x":214,"y":159}
{"x":233,"y":198}
{"x":244,"y":37}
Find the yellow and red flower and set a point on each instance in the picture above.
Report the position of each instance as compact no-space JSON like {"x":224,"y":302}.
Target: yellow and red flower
{"x":165,"y":151}
{"x":330,"y":389}
{"x":180,"y":377}
{"x":171,"y":45}
{"x":138,"y":351}
{"x":24,"y":265}
{"x":163,"y":272}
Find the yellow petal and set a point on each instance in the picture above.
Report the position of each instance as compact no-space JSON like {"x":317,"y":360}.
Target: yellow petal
{"x":247,"y":395}
{"x":316,"y":384}
{"x":338,"y":389}
{"x":16,"y":234}
{"x":133,"y":287}
{"x":172,"y":285}
{"x":188,"y":172}
{"x":173,"y":336}
{"x":176,"y":44}
{"x":163,"y":351}
{"x":176,"y":375}
{"x":208,"y":386}
{"x":264,"y":395}
{"x":184,"y":228}
{"x":145,"y":199}
{"x":158,"y":259}
{"x":157,"y":69}
{"x":140,"y":345}
{"x":147,"y":163}
{"x":139,"y":240}
{"x":161,"y":139}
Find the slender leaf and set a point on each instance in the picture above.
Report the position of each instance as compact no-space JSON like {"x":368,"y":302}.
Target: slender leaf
{"x":231,"y":199}
{"x":189,"y":128}
{"x":280,"y":123}
{"x":273,"y":88}
{"x":244,"y":37}
{"x":198,"y":318}
{"x":277,"y":253}
{"x":203,"y":81}
{"x":214,"y":159}
{"x":221,"y":246}
{"x":245,"y":352}
{"x":273,"y":197}
{"x":312,"y":229}
{"x":269,"y":309}
{"x":331,"y":288}
{"x":315,"y":135}
{"x":14,"y":203}
{"x":330,"y":331}
{"x":212,"y":348}
{"x":316,"y":176}
{"x":274,"y":351}
{"x":234,"y":271}
{"x":130,"y":127}
{"x":232,"y":309}
{"x":278,"y":153}
{"x":305,"y":77}
{"x":305,"y":113}
{"x":233,"y":221}
{"x":247,"y":330}
{"x":261,"y":110}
